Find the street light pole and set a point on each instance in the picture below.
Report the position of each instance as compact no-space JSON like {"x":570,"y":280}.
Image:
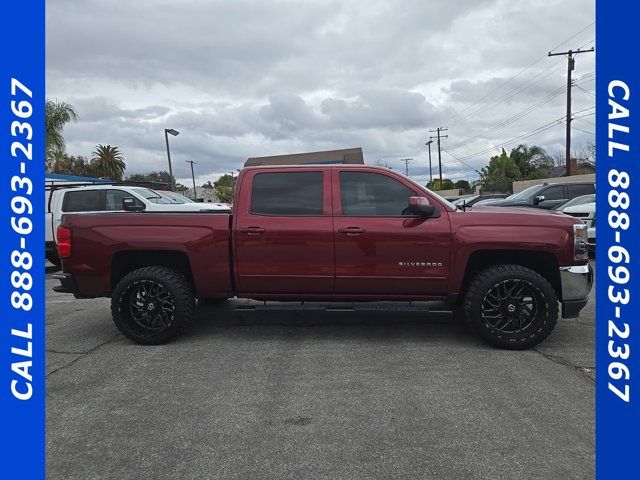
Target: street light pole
{"x":175,"y":133}
{"x":195,"y":192}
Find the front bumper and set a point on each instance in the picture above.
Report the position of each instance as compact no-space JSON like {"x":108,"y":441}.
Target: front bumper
{"x":576,"y":282}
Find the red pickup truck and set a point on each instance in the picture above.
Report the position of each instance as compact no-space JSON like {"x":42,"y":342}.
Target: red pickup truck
{"x":331,"y":233}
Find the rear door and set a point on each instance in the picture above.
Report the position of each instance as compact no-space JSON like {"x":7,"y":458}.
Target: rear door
{"x":379,"y":248}
{"x":283,"y":232}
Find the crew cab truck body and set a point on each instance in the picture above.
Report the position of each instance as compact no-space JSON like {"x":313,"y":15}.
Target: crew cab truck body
{"x":331,"y":233}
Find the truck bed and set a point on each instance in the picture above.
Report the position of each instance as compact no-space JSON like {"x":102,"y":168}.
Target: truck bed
{"x":105,"y":243}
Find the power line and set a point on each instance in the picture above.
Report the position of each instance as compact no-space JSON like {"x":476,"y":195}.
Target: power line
{"x":509,"y":121}
{"x":461,"y":161}
{"x":590,"y":122}
{"x":591,"y":94}
{"x":537,"y":78}
{"x":521,"y":114}
{"x":540,"y":129}
{"x":583,"y":131}
{"x":454,"y":118}
{"x":527,"y":84}
{"x":585,"y":110}
{"x":515,"y":91}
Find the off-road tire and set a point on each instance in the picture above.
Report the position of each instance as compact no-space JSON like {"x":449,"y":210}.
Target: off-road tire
{"x":176,"y":292}
{"x":542,"y":293}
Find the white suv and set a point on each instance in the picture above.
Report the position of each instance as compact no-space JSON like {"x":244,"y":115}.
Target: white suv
{"x":109,"y":198}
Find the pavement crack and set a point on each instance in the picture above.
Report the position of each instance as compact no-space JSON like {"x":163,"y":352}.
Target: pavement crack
{"x":81,"y":355}
{"x":582,"y":370}
{"x":49,"y":350}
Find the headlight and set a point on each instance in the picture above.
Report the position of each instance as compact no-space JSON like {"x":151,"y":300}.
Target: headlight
{"x":580,"y":242}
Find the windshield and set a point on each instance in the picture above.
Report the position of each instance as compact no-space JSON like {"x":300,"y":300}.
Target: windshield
{"x":153,"y":197}
{"x":525,"y":194}
{"x":579,"y":201}
{"x":176,"y":197}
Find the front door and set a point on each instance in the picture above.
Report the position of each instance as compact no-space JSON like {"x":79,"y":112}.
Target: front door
{"x":379,"y":248}
{"x":283,"y":233}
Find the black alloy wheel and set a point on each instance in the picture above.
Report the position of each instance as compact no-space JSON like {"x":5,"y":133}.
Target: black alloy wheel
{"x":151,"y":305}
{"x":511,"y":306}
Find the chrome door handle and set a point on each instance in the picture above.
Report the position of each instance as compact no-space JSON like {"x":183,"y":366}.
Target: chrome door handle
{"x":352,"y":230}
{"x":252,"y":230}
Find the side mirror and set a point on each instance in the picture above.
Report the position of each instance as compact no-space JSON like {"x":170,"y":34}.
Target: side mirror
{"x":130,"y":204}
{"x":538,"y":199}
{"x":420,"y":206}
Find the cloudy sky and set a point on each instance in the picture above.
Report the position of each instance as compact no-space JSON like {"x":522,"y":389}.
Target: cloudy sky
{"x":247,"y":78}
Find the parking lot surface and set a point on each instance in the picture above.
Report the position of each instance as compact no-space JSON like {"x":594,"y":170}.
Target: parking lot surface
{"x":302,"y":392}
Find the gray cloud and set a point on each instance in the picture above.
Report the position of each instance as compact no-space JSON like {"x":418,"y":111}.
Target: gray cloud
{"x":247,"y":78}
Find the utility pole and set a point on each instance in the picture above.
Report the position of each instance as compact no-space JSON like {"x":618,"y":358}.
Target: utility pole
{"x":571,"y":62}
{"x":195,"y":192}
{"x":406,"y":165}
{"x":428,"y":144}
{"x":438,"y":136}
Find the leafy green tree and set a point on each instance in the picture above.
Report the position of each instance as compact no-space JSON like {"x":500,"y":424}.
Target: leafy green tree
{"x":108,"y":162}
{"x":462,"y":184}
{"x":56,"y":116}
{"x":181,"y":188}
{"x":161,"y":176}
{"x":225,"y":186}
{"x":501,"y":170}
{"x":72,"y":165}
{"x":533,"y":162}
{"x":435,"y":185}
{"x":208,"y":184}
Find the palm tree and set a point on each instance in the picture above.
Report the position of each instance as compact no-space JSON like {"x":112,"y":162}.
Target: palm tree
{"x":56,"y":116}
{"x":107,"y":162}
{"x":532,"y":161}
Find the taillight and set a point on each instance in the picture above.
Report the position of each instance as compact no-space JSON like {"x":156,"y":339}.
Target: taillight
{"x":64,"y":242}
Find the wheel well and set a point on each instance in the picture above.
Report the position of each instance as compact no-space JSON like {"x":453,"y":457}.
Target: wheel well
{"x":127,"y":261}
{"x":543,"y":263}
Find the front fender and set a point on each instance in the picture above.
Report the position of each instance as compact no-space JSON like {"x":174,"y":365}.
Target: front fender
{"x":468,"y":240}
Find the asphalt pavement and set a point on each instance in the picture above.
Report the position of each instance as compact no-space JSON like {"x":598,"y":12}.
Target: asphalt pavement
{"x":382,"y":391}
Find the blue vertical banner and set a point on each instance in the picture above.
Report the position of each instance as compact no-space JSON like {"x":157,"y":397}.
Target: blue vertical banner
{"x":22,"y":157}
{"x":618,"y":223}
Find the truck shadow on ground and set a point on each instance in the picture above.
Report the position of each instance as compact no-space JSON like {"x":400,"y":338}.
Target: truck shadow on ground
{"x":364,"y":322}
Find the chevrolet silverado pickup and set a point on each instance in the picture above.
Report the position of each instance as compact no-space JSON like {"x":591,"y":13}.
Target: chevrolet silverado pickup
{"x":331,"y":233}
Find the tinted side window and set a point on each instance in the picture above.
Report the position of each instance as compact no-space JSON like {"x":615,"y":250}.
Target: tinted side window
{"x":554,"y":193}
{"x":295,"y":193}
{"x":82,"y":201}
{"x":113,"y":199}
{"x":581,"y":189}
{"x":372,"y":194}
